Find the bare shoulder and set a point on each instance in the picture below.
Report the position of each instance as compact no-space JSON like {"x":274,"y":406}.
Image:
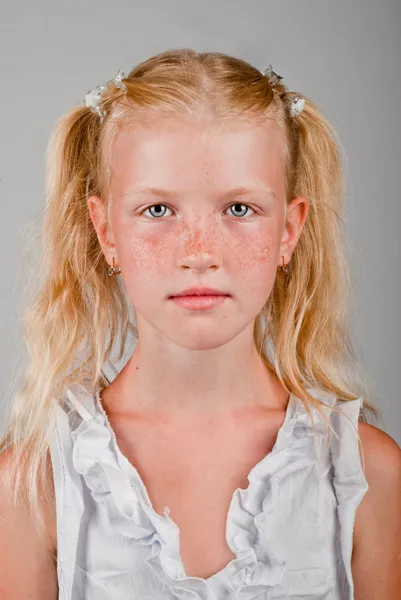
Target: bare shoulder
{"x":376,"y":558}
{"x":25,"y":548}
{"x":377,"y":443}
{"x":382,"y":456}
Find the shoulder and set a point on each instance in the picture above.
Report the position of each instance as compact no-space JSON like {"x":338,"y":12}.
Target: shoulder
{"x":376,"y":559}
{"x":382,"y":461}
{"x":24,"y":547}
{"x":21,"y":509}
{"x":381,"y":453}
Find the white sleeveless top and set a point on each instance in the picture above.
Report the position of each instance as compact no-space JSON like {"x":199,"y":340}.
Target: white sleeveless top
{"x":291,"y":529}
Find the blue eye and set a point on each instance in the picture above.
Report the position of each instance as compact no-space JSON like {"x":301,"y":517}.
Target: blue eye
{"x":236,"y":204}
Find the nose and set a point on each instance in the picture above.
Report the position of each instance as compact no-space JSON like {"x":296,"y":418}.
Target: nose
{"x":201,"y":251}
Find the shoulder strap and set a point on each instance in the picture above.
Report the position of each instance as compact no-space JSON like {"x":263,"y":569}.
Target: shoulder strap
{"x":69,"y":500}
{"x":349,"y":479}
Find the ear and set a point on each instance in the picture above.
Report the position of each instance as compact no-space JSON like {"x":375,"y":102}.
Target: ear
{"x":98,"y":215}
{"x":297,"y":212}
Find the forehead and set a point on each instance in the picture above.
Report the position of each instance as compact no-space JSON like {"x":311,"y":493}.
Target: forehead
{"x":197,"y":153}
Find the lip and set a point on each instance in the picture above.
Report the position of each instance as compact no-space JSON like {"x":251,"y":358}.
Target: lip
{"x":199,"y":291}
{"x":200,"y":303}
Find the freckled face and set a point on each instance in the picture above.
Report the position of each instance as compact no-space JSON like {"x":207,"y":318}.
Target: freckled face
{"x":201,"y":233}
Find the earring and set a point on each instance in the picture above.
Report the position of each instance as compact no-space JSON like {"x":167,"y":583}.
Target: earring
{"x":284,"y":268}
{"x":114,"y":270}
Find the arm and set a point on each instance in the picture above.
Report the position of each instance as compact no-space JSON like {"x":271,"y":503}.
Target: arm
{"x":376,"y":558}
{"x":28,"y":570}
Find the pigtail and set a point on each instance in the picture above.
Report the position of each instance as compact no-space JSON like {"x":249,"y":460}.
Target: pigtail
{"x":308,"y":310}
{"x":66,"y":333}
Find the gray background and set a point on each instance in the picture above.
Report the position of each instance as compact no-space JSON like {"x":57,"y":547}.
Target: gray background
{"x":345,"y":55}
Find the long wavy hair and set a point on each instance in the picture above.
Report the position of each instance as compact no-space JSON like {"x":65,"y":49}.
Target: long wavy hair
{"x":76,"y":316}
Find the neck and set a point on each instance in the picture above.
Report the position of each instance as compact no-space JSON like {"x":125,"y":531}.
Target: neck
{"x":172,"y":381}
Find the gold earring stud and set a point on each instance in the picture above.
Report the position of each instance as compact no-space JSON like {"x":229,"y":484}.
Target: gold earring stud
{"x":284,"y":268}
{"x":114,"y":270}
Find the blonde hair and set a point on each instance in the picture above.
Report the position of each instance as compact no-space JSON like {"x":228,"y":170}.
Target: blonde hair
{"x":77,"y":311}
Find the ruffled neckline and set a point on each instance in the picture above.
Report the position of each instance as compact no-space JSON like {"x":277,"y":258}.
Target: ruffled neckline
{"x":114,"y":480}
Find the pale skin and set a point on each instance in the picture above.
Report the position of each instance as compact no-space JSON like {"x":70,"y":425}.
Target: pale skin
{"x":195,"y":382}
{"x":206,"y":360}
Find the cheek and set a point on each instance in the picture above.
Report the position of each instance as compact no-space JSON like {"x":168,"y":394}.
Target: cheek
{"x":253,"y":252}
{"x":143,"y":257}
{"x":253,"y":260}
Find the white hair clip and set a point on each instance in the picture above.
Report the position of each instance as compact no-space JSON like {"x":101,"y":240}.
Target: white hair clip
{"x":272,"y":76}
{"x":94,"y":97}
{"x":297,"y":103}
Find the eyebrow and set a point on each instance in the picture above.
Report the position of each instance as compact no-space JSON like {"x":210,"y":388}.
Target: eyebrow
{"x":169,"y":193}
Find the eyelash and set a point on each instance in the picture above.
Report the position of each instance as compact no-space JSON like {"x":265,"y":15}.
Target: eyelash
{"x":233,"y":204}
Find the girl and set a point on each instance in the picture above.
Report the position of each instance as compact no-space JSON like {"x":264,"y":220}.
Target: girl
{"x":195,"y":205}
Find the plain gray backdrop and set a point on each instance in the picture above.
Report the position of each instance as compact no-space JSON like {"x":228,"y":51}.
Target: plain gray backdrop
{"x":346,"y":56}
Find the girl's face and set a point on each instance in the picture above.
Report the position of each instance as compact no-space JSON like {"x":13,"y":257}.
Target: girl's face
{"x":198,"y":205}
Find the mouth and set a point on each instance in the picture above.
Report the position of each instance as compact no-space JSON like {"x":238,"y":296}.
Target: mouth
{"x":200,"y":301}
